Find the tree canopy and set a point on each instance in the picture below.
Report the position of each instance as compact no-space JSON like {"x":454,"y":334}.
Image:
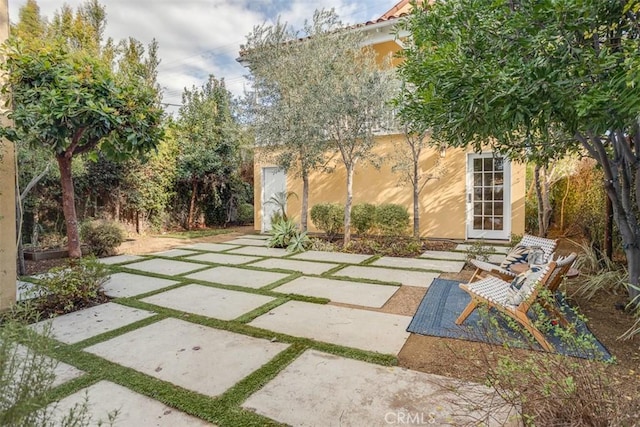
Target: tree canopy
{"x":317,"y":91}
{"x":535,"y":79}
{"x":73,"y":95}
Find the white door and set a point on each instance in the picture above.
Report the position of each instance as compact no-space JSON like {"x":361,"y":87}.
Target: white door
{"x":274,"y":180}
{"x":488,"y":197}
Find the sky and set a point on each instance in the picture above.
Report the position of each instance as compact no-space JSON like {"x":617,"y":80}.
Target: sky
{"x":201,"y":37}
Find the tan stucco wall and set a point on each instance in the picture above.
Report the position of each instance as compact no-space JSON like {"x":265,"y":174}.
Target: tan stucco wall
{"x":443,"y":207}
{"x":7,"y":201}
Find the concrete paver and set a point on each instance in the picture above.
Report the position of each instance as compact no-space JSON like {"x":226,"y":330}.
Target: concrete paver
{"x":213,"y":247}
{"x":256,"y":236}
{"x":80,"y":325}
{"x":347,"y":292}
{"x":337,"y":257}
{"x":408,"y":278}
{"x":219,"y":258}
{"x":173,"y":253}
{"x":319,"y":389}
{"x":425,"y":264}
{"x":305,"y":267}
{"x":248,"y":242}
{"x":238,"y":277}
{"x":62,"y":372}
{"x":259,"y":251}
{"x":448,"y":255}
{"x":118,"y":259}
{"x":165,"y":266}
{"x":128,"y":285}
{"x":196,"y":357}
{"x":207,"y":301}
{"x":497,"y":249}
{"x":350,"y":327}
{"x":130,"y":408}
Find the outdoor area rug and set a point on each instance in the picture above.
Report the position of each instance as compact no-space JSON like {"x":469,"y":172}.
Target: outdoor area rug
{"x":444,"y":301}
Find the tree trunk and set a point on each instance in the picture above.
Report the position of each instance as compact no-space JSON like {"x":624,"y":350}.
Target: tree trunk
{"x":347,"y":206}
{"x":547,"y":210}
{"x":608,"y":229}
{"x":304,"y":213}
{"x":536,"y":177}
{"x":564,"y":200}
{"x":192,"y":204}
{"x":69,"y":206}
{"x":20,"y":260}
{"x":633,"y":266}
{"x":416,"y":199}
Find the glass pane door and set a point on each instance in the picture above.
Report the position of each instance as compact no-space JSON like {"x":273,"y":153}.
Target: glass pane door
{"x":487,"y":198}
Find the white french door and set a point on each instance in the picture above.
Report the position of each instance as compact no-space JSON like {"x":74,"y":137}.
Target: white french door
{"x":274,"y":180}
{"x":488,"y":197}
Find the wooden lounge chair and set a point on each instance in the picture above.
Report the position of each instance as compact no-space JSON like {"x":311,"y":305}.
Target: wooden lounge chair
{"x":563,"y":264}
{"x":497,"y":293}
{"x":502,"y":271}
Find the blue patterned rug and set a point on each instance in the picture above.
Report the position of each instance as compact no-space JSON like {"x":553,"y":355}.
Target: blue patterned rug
{"x":444,"y":301}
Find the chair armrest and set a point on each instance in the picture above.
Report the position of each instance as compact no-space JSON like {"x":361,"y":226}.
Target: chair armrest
{"x":493,"y":269}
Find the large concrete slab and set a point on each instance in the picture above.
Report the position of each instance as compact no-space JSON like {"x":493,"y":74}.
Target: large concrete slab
{"x":128,"y":285}
{"x":213,"y":247}
{"x":448,"y":255}
{"x":343,"y":291}
{"x":165,"y":266}
{"x":64,"y":373}
{"x":496,"y":249}
{"x":196,"y":357}
{"x":408,"y":278}
{"x":424,"y":264}
{"x":207,"y":301}
{"x":80,"y":325}
{"x":337,"y":257}
{"x":350,"y":327}
{"x":258,"y":251}
{"x":248,"y":242}
{"x":319,"y":389}
{"x":219,"y":258}
{"x":118,"y":259}
{"x":26,"y":358}
{"x":256,"y":236}
{"x":172,"y":253}
{"x":238,"y":277}
{"x":304,"y":267}
{"x":130,"y":408}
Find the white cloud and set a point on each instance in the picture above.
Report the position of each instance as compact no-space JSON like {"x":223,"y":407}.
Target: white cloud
{"x":201,"y":37}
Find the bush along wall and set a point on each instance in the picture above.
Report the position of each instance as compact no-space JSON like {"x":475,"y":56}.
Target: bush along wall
{"x":387,"y":219}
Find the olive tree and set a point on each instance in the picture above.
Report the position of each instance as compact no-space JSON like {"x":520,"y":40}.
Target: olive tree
{"x":318,"y":91}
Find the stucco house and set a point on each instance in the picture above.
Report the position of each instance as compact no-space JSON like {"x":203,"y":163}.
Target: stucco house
{"x":478,"y":195}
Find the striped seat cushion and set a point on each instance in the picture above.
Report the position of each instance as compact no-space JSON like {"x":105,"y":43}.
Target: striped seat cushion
{"x":517,"y":255}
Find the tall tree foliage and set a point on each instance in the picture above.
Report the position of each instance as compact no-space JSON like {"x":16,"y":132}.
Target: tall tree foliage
{"x":74,"y":97}
{"x":210,"y":141}
{"x":322,"y":93}
{"x":536,"y":79}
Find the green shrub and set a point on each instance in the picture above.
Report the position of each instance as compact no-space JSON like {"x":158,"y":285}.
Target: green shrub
{"x":102,"y":237}
{"x":392,"y":219}
{"x":245,"y":213}
{"x":285,"y":234}
{"x":328,"y":217}
{"x":27,"y":379}
{"x":68,"y":288}
{"x":363,"y":217}
{"x":480,"y":250}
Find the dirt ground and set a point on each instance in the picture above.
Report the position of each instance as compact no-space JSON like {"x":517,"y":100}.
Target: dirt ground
{"x":451,"y":357}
